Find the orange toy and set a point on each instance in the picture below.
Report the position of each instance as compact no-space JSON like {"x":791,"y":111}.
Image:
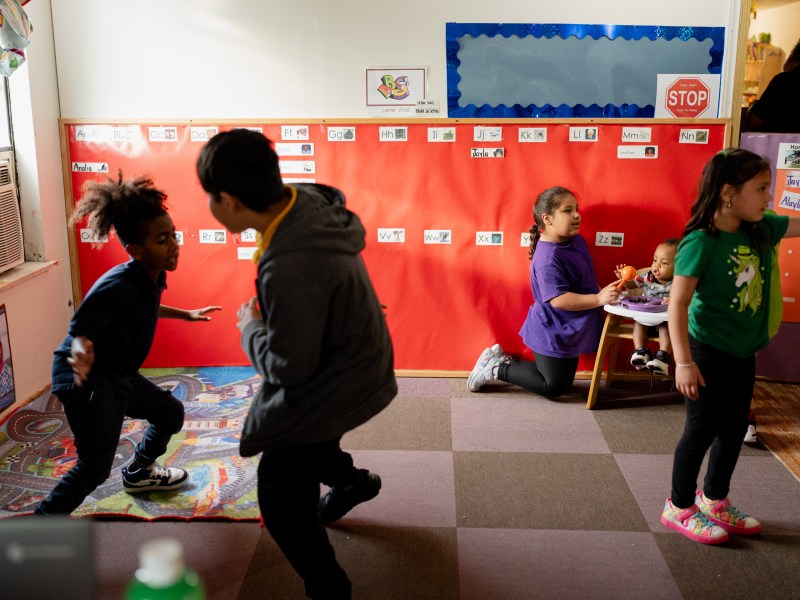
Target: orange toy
{"x":626,"y":273}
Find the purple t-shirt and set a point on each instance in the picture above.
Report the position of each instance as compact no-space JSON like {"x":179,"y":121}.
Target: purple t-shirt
{"x":556,"y":269}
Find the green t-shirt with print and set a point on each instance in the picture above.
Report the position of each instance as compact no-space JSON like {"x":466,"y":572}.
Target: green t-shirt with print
{"x":729,"y":308}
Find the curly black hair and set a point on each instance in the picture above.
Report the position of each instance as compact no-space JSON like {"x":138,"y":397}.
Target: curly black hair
{"x":127,"y":206}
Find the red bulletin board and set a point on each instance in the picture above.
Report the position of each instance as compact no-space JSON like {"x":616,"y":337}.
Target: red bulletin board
{"x":445,"y":302}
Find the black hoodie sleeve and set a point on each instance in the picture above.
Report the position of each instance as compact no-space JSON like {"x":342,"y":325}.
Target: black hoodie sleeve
{"x":285,"y":347}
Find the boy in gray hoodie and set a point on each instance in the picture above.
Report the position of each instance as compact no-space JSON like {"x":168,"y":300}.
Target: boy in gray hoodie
{"x":316,"y":334}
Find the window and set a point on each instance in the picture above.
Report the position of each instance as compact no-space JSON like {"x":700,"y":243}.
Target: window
{"x":5,"y":115}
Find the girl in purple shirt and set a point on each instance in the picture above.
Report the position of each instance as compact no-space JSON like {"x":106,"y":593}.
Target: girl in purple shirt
{"x":565,"y":320}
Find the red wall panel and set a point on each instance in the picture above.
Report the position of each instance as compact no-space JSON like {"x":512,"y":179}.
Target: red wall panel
{"x":445,"y":302}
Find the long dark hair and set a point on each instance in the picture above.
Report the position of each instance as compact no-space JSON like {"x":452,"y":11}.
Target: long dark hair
{"x":734,"y":167}
{"x":547,"y":203}
{"x":126,"y":205}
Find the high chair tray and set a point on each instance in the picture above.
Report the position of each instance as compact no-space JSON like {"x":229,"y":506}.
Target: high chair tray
{"x":643,"y":303}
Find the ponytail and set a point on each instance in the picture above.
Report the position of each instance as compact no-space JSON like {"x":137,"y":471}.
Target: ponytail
{"x":547,"y":203}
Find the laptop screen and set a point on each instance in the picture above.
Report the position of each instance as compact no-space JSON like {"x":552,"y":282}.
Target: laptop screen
{"x":46,"y":557}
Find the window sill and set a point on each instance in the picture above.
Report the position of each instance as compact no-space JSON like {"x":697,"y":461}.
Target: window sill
{"x":23,"y":272}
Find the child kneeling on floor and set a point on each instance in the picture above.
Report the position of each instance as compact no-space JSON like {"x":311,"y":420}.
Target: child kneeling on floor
{"x":96,"y":368}
{"x":656,"y":282}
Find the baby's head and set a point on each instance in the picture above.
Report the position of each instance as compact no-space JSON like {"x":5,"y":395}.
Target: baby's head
{"x":664,"y":260}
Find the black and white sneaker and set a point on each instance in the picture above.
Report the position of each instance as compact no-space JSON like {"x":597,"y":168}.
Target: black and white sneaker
{"x":154,"y":478}
{"x":640,"y":358}
{"x":659,"y":363}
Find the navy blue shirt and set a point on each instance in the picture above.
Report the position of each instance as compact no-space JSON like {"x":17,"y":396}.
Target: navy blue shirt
{"x":119,"y":315}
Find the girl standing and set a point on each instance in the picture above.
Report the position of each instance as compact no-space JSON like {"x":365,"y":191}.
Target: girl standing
{"x":717,"y":322}
{"x":565,"y":321}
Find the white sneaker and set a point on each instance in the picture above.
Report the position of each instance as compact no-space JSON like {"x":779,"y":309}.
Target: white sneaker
{"x":750,"y":437}
{"x":483,"y":372}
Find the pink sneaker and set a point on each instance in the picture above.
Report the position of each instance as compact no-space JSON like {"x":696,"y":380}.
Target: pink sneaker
{"x":726,"y":516}
{"x":692,"y":523}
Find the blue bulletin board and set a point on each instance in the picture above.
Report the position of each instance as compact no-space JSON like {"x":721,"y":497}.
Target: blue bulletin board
{"x":510,"y":70}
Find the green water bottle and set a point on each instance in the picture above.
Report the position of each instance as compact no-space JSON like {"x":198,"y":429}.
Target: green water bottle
{"x":162,"y":574}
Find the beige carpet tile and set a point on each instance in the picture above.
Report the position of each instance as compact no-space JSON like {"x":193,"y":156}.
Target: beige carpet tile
{"x":759,"y":567}
{"x":543,"y":491}
{"x":408,"y":423}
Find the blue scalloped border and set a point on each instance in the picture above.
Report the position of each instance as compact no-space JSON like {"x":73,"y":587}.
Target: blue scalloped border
{"x":565,"y":30}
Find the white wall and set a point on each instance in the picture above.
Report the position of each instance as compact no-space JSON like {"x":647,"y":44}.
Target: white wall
{"x":182,"y":59}
{"x":782,"y":22}
{"x":305,"y":58}
{"x":38,"y":309}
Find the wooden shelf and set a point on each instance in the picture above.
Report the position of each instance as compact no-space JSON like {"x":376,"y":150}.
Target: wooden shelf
{"x":763,"y":63}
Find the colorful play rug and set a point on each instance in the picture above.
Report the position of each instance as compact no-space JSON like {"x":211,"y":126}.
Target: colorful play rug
{"x":36,"y":448}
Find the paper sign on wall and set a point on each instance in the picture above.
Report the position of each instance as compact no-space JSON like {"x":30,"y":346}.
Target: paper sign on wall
{"x":690,"y":96}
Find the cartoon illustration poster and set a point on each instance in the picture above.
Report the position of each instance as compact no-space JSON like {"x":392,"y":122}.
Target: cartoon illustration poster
{"x":391,"y":88}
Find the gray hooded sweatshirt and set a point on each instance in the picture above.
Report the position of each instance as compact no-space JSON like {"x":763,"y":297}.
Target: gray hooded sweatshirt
{"x":323,"y":347}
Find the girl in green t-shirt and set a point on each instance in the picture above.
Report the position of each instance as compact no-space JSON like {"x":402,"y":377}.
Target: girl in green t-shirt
{"x":718,"y":320}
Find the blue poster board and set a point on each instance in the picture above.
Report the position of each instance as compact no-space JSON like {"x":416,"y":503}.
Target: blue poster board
{"x":569,"y":71}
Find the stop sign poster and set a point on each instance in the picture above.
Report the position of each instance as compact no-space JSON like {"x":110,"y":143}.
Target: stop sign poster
{"x":687,"y":96}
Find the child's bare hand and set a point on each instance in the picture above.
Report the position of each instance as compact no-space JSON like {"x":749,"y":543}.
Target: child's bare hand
{"x":618,"y":271}
{"x":81,"y":359}
{"x":665,"y":301}
{"x":247,"y":312}
{"x":201,"y":314}
{"x":688,"y":381}
{"x":609,"y":294}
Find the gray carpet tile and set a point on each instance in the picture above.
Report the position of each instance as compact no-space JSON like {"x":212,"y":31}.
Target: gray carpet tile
{"x":219,"y":551}
{"x":760,"y":486}
{"x":382,"y":562}
{"x":509,"y":564}
{"x":417,"y":488}
{"x":523,"y":425}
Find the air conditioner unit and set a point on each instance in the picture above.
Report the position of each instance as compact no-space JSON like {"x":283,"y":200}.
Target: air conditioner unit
{"x":12,"y":251}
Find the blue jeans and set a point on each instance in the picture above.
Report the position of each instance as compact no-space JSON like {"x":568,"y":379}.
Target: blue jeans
{"x":288,"y":496}
{"x":716,"y":420}
{"x":95,"y":414}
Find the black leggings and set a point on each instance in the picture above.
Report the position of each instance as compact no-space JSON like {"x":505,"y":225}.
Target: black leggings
{"x":288,"y":496}
{"x":549,"y":376}
{"x":717,"y":419}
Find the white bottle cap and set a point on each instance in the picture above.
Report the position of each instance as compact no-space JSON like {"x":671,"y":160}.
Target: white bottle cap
{"x":160,"y":563}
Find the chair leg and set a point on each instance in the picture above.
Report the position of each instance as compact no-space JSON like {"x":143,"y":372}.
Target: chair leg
{"x":606,"y":341}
